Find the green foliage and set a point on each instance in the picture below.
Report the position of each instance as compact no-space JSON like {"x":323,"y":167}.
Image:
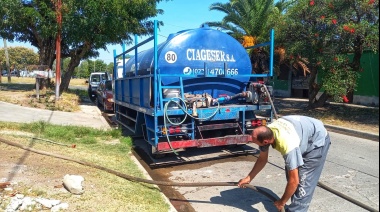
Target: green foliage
{"x":87,"y":26}
{"x":324,"y":31}
{"x":20,"y":57}
{"x":338,"y":79}
{"x":244,"y":17}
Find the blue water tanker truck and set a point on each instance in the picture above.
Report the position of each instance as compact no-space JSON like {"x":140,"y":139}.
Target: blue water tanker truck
{"x":194,"y":90}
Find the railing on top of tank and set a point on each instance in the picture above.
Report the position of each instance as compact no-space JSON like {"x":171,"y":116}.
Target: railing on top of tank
{"x":154,"y":38}
{"x":270,"y":43}
{"x":135,"y":47}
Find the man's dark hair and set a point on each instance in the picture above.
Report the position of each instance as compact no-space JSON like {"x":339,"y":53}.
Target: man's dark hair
{"x":265,"y":134}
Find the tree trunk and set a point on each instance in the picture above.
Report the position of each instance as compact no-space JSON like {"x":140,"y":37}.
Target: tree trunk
{"x":65,"y":82}
{"x":358,"y":51}
{"x":47,"y":53}
{"x":76,"y":56}
{"x":7,"y":60}
{"x":320,"y":102}
{"x":314,"y":89}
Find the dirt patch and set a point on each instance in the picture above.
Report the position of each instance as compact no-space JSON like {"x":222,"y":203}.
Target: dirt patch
{"x":27,"y":96}
{"x":35,"y":175}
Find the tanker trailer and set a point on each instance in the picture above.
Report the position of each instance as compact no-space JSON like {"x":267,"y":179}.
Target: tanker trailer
{"x":196,"y":89}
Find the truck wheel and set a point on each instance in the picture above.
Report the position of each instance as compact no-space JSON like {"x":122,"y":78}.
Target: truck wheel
{"x":104,"y":108}
{"x":92,"y":98}
{"x":98,"y":103}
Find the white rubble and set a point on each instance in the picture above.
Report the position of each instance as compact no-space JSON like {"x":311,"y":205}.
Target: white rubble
{"x":27,"y":204}
{"x":73,"y":183}
{"x":59,"y":207}
{"x":48,"y":203}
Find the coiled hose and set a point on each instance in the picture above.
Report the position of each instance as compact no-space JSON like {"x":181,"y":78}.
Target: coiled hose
{"x":136,"y":179}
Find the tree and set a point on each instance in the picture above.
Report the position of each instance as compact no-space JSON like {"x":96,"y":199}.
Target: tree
{"x":322,"y":34}
{"x":19,"y":57}
{"x":87,"y":26}
{"x":248,"y":22}
{"x":83,"y":69}
{"x":244,"y":18}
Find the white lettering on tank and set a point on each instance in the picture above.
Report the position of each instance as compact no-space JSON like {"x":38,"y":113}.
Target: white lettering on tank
{"x":198,"y":57}
{"x":222,"y":56}
{"x":209,"y":55}
{"x":190,"y":54}
{"x":203,"y":54}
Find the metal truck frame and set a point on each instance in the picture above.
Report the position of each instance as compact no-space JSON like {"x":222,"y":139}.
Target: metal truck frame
{"x":172,"y":124}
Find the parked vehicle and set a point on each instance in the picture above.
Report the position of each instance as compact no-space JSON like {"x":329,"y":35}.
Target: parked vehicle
{"x":94,"y":81}
{"x":14,"y":73}
{"x":196,"y":89}
{"x":104,"y":96}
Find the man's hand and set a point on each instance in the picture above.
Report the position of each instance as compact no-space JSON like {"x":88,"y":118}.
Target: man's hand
{"x":243,"y":181}
{"x":279,"y":205}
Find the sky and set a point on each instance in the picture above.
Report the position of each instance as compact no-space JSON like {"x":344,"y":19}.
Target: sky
{"x":178,"y":15}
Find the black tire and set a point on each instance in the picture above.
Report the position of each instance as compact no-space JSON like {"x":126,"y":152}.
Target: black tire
{"x":92,"y":98}
{"x":98,"y":103}
{"x":104,"y":108}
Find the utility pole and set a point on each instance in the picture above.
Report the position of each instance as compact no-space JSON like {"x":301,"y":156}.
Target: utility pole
{"x":58,"y":6}
{"x":7,"y":60}
{"x":94,"y":65}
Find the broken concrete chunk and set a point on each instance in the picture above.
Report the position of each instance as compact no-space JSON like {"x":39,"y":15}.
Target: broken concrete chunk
{"x":48,"y":203}
{"x":27,"y":204}
{"x":73,"y":183}
{"x":14,"y":204}
{"x":62,"y":206}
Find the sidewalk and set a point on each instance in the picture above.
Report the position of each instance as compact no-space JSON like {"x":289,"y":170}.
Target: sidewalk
{"x":89,"y":116}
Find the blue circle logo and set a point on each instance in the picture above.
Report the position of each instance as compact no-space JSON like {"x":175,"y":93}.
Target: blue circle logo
{"x":187,"y":71}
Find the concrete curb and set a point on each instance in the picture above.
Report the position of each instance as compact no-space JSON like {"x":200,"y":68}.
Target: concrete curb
{"x":352,"y":132}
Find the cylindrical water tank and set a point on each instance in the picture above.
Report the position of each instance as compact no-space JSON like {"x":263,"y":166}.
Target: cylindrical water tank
{"x":194,"y":54}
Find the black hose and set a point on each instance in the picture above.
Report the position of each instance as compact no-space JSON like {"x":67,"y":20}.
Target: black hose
{"x":136,"y":179}
{"x":271,"y":102}
{"x":324,"y":186}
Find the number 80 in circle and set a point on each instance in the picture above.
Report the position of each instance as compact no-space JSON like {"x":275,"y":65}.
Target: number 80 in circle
{"x":171,"y":57}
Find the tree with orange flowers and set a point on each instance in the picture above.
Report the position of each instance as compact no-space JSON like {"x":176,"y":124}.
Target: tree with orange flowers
{"x":326,"y":32}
